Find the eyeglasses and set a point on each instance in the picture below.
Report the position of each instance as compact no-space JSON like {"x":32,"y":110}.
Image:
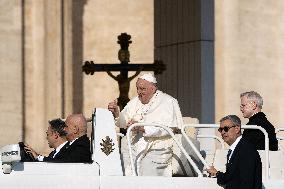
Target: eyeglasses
{"x":226,"y":128}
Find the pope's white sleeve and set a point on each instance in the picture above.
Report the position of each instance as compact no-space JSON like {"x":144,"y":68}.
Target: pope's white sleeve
{"x":175,"y":121}
{"x":125,"y":115}
{"x":178,"y":115}
{"x":121,"y":120}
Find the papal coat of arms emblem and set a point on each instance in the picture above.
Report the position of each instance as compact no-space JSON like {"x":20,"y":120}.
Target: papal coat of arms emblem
{"x":107,"y":145}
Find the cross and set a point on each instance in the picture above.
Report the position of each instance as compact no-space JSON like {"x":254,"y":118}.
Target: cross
{"x":123,"y":80}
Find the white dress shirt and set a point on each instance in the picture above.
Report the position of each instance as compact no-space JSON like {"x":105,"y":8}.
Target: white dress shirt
{"x":233,"y":146}
{"x":40,"y":157}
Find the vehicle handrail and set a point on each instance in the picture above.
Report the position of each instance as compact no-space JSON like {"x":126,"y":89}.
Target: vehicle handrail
{"x":192,"y":145}
{"x":277,"y":131}
{"x":120,"y":134}
{"x":170,"y":133}
{"x":279,"y":137}
{"x":214,"y":137}
{"x":266,"y":147}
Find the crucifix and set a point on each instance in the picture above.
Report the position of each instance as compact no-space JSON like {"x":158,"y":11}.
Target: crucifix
{"x":122,"y":78}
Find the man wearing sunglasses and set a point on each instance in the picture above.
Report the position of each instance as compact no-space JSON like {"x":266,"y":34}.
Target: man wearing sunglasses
{"x":243,"y":168}
{"x":251,"y":105}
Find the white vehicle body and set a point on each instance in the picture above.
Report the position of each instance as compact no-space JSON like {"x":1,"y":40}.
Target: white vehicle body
{"x":106,"y":170}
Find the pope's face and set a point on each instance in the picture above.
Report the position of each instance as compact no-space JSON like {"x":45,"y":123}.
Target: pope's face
{"x":145,"y":90}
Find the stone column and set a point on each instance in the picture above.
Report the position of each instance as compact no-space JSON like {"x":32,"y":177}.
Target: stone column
{"x":11,"y":72}
{"x":67,"y":59}
{"x":43,"y":68}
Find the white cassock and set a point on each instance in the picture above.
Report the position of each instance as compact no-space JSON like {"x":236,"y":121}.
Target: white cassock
{"x":153,"y":149}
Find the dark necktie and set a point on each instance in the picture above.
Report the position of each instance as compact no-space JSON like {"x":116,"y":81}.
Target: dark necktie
{"x":52,"y":154}
{"x":228,"y":155}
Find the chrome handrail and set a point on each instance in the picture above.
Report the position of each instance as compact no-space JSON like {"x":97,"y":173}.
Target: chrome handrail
{"x":277,"y":131}
{"x":190,"y":142}
{"x":214,"y":137}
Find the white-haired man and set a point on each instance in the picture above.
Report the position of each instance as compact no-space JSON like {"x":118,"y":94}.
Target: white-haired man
{"x":251,"y":105}
{"x":151,"y":145}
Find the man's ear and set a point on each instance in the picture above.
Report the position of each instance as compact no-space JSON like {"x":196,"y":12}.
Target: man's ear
{"x":76,"y":129}
{"x":254,"y":105}
{"x":238,"y":129}
{"x":56,"y":135}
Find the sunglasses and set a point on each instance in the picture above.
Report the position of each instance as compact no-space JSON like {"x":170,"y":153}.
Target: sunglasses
{"x":226,"y":128}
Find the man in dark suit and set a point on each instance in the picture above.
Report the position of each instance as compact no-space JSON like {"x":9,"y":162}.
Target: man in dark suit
{"x":243,"y":168}
{"x":251,"y":105}
{"x":56,"y":138}
{"x":79,"y":149}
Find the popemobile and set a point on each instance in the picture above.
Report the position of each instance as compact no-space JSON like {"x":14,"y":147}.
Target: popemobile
{"x":106,"y":171}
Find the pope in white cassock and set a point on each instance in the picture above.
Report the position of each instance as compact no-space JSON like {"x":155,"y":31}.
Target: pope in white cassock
{"x":152,"y":146}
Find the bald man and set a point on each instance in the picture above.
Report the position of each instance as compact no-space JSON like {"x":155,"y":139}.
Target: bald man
{"x":79,"y":149}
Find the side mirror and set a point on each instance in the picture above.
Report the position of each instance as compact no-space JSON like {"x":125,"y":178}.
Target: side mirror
{"x":9,"y":155}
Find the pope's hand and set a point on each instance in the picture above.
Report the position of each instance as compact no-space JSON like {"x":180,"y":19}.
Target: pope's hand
{"x":130,"y":123}
{"x":113,"y":107}
{"x":135,"y":129}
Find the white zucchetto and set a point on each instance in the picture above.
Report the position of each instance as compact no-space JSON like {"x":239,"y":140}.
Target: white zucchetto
{"x":148,"y":77}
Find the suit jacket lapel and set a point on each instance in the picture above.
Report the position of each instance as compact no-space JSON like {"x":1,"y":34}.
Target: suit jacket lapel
{"x":62,"y":151}
{"x":50,"y":156}
{"x":234,"y":155}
